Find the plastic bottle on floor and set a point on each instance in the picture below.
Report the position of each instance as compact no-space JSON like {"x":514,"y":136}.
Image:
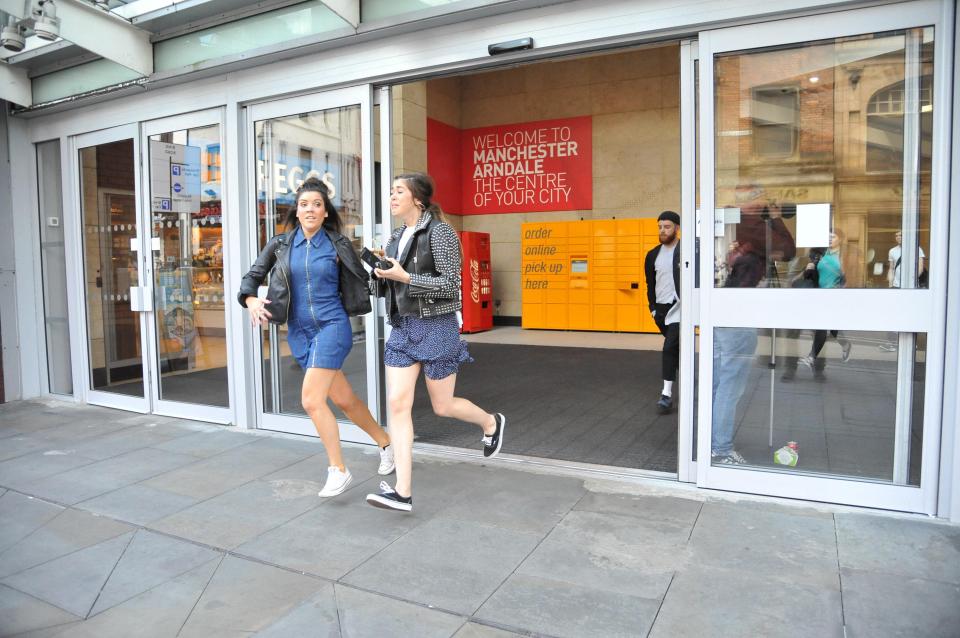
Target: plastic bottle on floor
{"x":789,"y":454}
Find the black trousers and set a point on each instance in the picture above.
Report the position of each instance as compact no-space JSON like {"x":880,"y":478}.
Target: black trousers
{"x":671,"y":342}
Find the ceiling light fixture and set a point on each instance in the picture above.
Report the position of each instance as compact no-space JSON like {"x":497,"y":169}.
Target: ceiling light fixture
{"x":11,"y":36}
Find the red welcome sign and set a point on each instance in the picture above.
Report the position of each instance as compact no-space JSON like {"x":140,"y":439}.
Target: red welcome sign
{"x":515,"y":168}
{"x":528,"y":167}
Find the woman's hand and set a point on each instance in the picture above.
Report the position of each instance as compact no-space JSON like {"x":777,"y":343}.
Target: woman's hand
{"x":259,"y":315}
{"x":397,"y":273}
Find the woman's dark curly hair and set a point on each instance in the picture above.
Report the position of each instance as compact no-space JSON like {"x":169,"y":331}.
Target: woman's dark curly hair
{"x":314,"y":185}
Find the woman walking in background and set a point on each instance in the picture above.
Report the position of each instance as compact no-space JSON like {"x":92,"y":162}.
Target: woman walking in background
{"x":422,"y":290}
{"x":830,"y":274}
{"x":316,"y":281}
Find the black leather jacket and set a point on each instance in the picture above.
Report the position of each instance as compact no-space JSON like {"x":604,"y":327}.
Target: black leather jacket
{"x":275,"y":260}
{"x":433,"y":259}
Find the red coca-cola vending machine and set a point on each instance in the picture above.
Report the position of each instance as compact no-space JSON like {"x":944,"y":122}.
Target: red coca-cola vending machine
{"x":477,"y":286}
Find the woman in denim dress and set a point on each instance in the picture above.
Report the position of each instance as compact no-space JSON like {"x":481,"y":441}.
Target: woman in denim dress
{"x":311,"y":257}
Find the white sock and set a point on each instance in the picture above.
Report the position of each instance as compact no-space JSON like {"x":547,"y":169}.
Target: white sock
{"x":667,"y":389}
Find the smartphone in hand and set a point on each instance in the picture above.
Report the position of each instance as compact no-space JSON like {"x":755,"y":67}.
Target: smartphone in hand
{"x":373,"y":261}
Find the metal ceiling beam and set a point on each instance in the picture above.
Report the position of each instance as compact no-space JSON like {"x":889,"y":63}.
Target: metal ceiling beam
{"x":106,"y":35}
{"x":349,"y":10}
{"x":15,"y":85}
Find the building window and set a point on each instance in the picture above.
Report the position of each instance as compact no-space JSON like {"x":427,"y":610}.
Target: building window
{"x":776,"y":121}
{"x":885,"y":127}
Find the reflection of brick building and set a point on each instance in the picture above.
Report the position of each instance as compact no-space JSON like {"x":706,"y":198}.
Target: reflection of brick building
{"x":825,"y":123}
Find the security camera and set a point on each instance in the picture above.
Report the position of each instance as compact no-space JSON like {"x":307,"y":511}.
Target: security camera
{"x":47,"y":24}
{"x":11,"y":36}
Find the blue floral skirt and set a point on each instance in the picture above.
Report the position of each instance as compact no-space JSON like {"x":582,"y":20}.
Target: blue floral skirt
{"x":433,"y":342}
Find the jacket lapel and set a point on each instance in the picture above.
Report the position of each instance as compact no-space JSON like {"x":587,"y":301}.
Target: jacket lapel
{"x":421,"y":224}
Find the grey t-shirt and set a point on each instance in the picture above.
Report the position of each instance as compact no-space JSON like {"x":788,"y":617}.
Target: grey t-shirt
{"x":666,"y":292}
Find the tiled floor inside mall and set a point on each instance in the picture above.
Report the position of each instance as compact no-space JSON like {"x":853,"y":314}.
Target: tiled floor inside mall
{"x":118,"y":524}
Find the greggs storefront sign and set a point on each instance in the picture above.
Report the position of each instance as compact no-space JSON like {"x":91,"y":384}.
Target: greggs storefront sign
{"x":513,"y":168}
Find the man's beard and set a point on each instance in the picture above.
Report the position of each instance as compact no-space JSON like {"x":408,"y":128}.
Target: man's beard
{"x":669,"y":238}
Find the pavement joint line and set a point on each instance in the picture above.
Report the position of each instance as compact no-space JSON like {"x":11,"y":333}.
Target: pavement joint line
{"x":662,"y":600}
{"x":58,"y":625}
{"x":836,"y":544}
{"x":45,"y":602}
{"x":695,"y":521}
{"x":202,"y":592}
{"x":530,"y":553}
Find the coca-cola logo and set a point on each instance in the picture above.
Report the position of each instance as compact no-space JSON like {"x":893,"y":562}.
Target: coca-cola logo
{"x":475,"y":280}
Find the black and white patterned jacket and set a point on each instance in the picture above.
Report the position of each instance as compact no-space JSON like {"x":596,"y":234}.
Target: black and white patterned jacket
{"x":433,"y":258}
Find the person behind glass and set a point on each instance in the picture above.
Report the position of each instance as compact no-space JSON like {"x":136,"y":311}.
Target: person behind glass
{"x":894,"y":257}
{"x":830,"y":274}
{"x":761,"y":239}
{"x":662,"y":271}
{"x":316,"y":281}
{"x":806,"y":278}
{"x":422,"y":290}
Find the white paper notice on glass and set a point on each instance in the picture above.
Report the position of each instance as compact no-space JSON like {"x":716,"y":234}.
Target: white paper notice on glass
{"x":813,"y":225}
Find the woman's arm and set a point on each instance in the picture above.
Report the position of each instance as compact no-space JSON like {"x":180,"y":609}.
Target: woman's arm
{"x":447,"y":260}
{"x":258,"y":272}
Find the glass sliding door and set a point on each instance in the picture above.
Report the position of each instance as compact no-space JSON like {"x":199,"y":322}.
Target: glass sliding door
{"x":109,"y":218}
{"x":822,"y":288}
{"x":326,"y":137}
{"x":186,"y":218}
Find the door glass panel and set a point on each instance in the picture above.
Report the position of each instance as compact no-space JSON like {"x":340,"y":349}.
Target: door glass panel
{"x":187,"y":249}
{"x":819,"y":402}
{"x":108,"y":202}
{"x":824,"y":149}
{"x":324,"y":144}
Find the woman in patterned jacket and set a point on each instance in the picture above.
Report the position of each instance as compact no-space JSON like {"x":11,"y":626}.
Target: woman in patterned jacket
{"x":422,"y":290}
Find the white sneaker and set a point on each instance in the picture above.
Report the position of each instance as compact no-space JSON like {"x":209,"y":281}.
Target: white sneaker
{"x":337,"y":482}
{"x":387,"y":464}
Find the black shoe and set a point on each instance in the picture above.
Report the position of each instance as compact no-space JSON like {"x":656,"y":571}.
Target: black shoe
{"x":493,"y":442}
{"x":388,"y":499}
{"x":665,"y":404}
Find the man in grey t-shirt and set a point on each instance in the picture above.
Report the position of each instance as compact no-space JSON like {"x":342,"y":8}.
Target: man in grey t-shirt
{"x":662,"y":271}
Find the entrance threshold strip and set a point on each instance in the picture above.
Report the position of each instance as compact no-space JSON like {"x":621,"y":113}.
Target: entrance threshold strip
{"x":546,"y":466}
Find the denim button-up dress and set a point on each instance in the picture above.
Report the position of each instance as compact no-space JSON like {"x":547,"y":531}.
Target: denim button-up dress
{"x":318,"y":329}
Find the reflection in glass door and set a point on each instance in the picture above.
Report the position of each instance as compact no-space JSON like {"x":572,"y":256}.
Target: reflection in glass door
{"x":111,"y":271}
{"x":322,"y":137}
{"x":819,"y":328}
{"x":186,"y":242}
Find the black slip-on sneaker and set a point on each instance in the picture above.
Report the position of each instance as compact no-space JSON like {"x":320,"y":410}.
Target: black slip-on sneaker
{"x":388,"y":499}
{"x":665,"y":404}
{"x":493,"y":442}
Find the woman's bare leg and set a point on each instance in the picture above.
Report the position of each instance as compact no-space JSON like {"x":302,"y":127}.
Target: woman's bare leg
{"x":356,"y":410}
{"x":445,"y":404}
{"x":313,"y":396}
{"x":401,"y":383}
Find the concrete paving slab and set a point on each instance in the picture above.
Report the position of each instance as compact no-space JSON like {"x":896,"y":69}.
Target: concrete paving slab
{"x":23,"y":471}
{"x":241,"y":514}
{"x":50,"y":632}
{"x":612,"y":553}
{"x":21,"y":444}
{"x":317,"y":617}
{"x":72,"y":582}
{"x":76,"y":430}
{"x":899,"y":546}
{"x":157,"y":613}
{"x":244,"y":596}
{"x":227,"y":470}
{"x":314,"y":468}
{"x":799,"y":545}
{"x":138,"y":504}
{"x":893,"y":605}
{"x":667,"y":509}
{"x":439,"y":484}
{"x":458,"y":565}
{"x":476,"y":630}
{"x":204,"y":444}
{"x":22,"y":515}
{"x":332,"y":539}
{"x":149,"y":560}
{"x":126,"y":440}
{"x":21,"y":613}
{"x":366,"y":614}
{"x":709,"y":601}
{"x":68,"y":532}
{"x":94,"y":479}
{"x":567,"y":610}
{"x":536,"y":508}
